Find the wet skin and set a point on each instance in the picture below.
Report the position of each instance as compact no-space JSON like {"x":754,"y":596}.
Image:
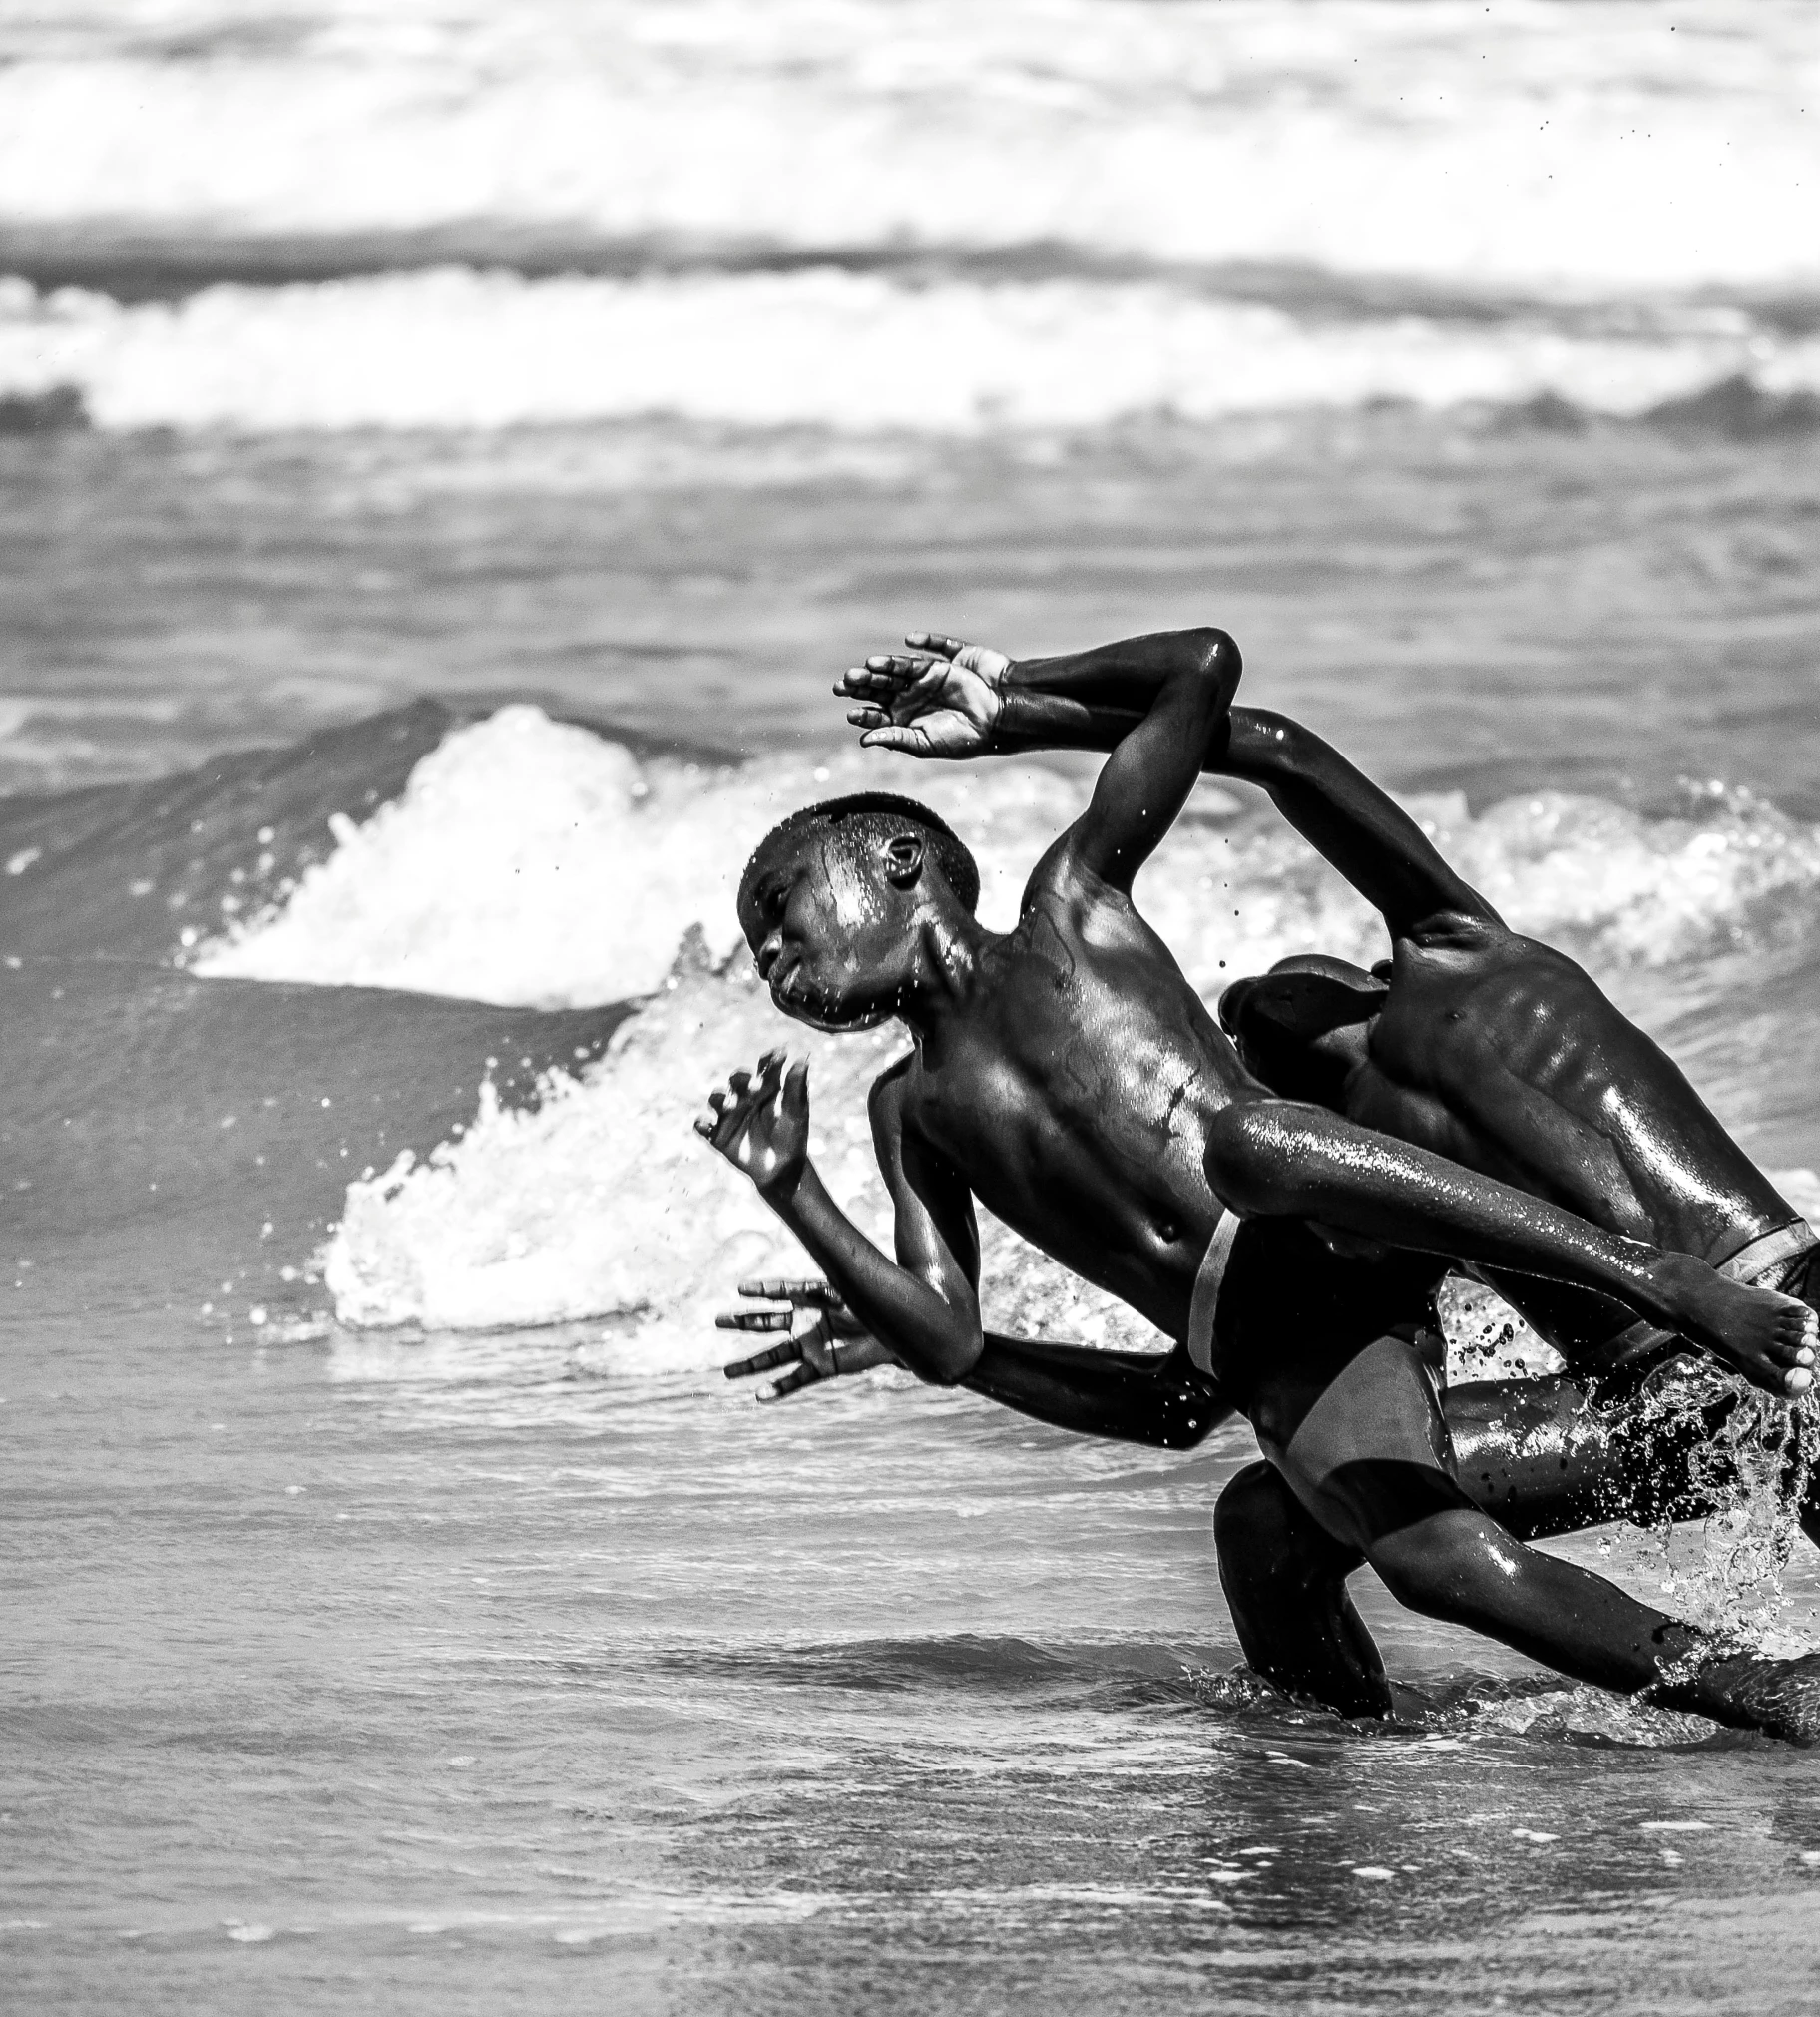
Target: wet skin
{"x":1484,"y":1045}
{"x":1434,"y":1562}
{"x":1067,"y":1073}
{"x":1489,"y":1069}
{"x":1488,"y":1046}
{"x":1492,"y":1048}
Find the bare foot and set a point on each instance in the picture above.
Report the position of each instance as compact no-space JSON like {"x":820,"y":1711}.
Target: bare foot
{"x":1769,"y":1338}
{"x":1781,"y":1698}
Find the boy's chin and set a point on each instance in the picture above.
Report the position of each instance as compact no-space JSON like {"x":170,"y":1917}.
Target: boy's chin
{"x":835,"y":1022}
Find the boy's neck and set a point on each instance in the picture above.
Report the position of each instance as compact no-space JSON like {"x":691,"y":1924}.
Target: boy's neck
{"x":944,"y":984}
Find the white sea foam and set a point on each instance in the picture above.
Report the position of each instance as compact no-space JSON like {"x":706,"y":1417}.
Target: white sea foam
{"x":850,"y":352}
{"x":530,"y":861}
{"x":1598,"y":145}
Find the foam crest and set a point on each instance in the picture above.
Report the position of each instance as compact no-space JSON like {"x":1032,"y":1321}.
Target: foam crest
{"x":1564,"y":865}
{"x":602,"y":1201}
{"x":851,"y":352}
{"x":531,"y":862}
{"x":1589,"y":144}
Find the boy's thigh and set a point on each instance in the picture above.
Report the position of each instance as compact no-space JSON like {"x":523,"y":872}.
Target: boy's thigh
{"x":1366,"y":1449}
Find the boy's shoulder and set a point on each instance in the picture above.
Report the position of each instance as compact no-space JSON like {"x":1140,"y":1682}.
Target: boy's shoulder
{"x":885,"y":1102}
{"x":1064,"y":887}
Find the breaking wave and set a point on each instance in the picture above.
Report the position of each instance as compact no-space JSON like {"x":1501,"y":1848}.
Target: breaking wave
{"x":828,"y":347}
{"x":535,"y":863}
{"x":539,"y":865}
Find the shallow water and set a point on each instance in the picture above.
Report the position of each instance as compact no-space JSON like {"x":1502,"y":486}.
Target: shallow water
{"x":401,"y":1611}
{"x":432,"y":1674}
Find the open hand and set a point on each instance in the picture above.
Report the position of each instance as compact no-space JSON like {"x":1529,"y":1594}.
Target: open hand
{"x":760,"y":1122}
{"x":941,"y":698}
{"x":833,"y":1347}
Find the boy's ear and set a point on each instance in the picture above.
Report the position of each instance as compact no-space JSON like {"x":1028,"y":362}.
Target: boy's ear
{"x":903,"y":860}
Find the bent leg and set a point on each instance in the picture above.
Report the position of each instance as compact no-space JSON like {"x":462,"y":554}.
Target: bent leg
{"x":1284,"y":1579}
{"x":1368,"y":1456}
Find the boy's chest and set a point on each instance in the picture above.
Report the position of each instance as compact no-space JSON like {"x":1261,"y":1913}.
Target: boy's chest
{"x":1053,"y":1101}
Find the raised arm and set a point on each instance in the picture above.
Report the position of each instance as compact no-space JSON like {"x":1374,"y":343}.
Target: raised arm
{"x":926,"y":1304}
{"x":1147,"y":779}
{"x":945,"y":697}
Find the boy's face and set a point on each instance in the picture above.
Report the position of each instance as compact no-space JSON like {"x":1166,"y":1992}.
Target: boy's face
{"x":829,"y":931}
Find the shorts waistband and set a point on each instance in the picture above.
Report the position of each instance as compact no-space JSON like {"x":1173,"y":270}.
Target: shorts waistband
{"x":1207,"y":1284}
{"x":1767,"y":1261}
{"x":1771,"y":1254}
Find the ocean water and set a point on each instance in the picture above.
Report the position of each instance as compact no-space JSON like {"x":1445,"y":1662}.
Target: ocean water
{"x":446,"y":455}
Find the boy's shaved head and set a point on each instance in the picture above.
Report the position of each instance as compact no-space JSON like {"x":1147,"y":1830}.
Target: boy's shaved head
{"x":1300,"y":1027}
{"x":871,"y":818}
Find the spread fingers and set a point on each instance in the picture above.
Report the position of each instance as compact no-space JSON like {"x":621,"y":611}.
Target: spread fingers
{"x":762,"y":1362}
{"x":754,"y":1319}
{"x":814,"y":1295}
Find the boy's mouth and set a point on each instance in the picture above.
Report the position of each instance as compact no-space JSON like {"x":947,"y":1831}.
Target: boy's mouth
{"x":788,"y":984}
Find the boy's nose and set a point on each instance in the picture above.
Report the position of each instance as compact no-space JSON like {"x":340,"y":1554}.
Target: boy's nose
{"x":766,"y":957}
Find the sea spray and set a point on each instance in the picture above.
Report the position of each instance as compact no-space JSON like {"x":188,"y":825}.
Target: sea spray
{"x":1755,"y":1465}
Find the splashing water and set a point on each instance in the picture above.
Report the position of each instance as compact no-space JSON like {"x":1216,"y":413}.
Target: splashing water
{"x":601,"y":1200}
{"x":1725,"y":1571}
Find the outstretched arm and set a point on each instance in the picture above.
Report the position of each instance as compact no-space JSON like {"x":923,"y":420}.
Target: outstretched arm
{"x":926,"y":1304}
{"x":1343,"y":815}
{"x":1158,"y":1398}
{"x":1272,"y":1157}
{"x":948,"y":698}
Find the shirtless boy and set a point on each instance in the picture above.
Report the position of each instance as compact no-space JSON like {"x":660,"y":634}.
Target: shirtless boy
{"x":1489,"y":1046}
{"x":1065,"y":1074}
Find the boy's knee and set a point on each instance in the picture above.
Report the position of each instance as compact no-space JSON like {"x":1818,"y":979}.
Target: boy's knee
{"x":1266,"y":1539}
{"x":1253,"y":1516}
{"x":1245,"y":1163}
